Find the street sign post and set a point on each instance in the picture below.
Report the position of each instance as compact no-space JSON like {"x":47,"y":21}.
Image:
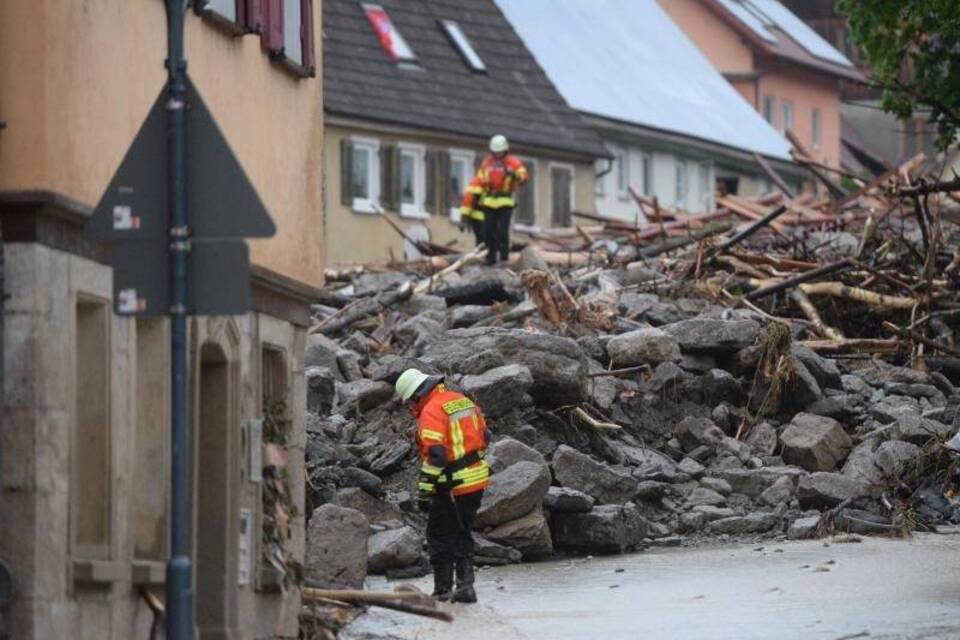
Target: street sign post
{"x":165,"y":263}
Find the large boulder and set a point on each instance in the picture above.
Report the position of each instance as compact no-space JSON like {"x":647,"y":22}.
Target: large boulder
{"x":894,"y":457}
{"x":486,"y":552}
{"x":362,"y":395}
{"x":610,"y":528}
{"x":642,"y":346}
{"x":802,"y":388}
{"x":507,"y":452}
{"x":513,"y":492}
{"x":815,"y":443}
{"x":719,"y":386}
{"x":713,"y":335}
{"x":393,"y":549}
{"x":579,"y":471}
{"x":693,"y":432}
{"x":861,"y":465}
{"x":321,"y":390}
{"x":780,"y":491}
{"x":530,"y":535}
{"x":650,"y":464}
{"x":567,"y":500}
{"x":374,"y":509}
{"x":336,"y":549}
{"x":704,"y":496}
{"x":751,"y":523}
{"x":825,"y":371}
{"x":823,"y":490}
{"x":753,"y":482}
{"x":762,"y":439}
{"x":919,"y":430}
{"x":558,"y":364}
{"x":321,"y":351}
{"x":499,"y":390}
{"x":418,"y":331}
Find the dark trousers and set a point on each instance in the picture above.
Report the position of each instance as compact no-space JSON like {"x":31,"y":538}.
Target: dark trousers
{"x":477,"y":226}
{"x":496,"y":231}
{"x":449,"y":526}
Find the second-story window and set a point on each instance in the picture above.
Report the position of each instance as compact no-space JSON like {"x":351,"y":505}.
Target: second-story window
{"x":623,"y":173}
{"x":682,"y":186}
{"x":787,"y":122}
{"x":288,"y":33}
{"x":816,"y":129}
{"x":768,"y":108}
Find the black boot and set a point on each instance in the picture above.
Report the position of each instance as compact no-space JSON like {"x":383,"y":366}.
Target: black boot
{"x":465,"y":591}
{"x":443,"y":581}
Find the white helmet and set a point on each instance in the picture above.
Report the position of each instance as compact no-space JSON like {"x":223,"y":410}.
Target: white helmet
{"x":499,"y":144}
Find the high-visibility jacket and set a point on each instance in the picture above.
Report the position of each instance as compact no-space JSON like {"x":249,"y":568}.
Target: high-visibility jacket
{"x":499,"y":179}
{"x":452,"y":421}
{"x":470,"y":204}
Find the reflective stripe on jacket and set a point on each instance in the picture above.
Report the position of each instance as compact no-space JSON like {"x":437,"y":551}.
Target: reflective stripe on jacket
{"x":451,"y":420}
{"x":470,"y":203}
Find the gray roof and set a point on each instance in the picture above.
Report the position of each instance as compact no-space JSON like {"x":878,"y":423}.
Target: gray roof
{"x":626,"y":60}
{"x":514,"y":97}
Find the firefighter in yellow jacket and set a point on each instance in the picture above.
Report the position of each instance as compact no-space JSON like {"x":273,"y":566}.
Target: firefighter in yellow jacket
{"x":452,"y":440}
{"x":470,"y":208}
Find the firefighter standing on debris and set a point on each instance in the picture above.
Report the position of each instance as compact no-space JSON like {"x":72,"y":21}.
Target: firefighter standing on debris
{"x":470,"y":208}
{"x":499,"y":175}
{"x":452,"y":439}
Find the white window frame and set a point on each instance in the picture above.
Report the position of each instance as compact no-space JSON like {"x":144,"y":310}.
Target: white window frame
{"x":681,"y":198}
{"x":769,"y":101}
{"x":706,"y":190}
{"x":417,"y":209}
{"x":622,"y":163}
{"x":535,"y":227}
{"x":646,"y":170}
{"x":787,"y":116}
{"x":292,"y":27}
{"x":470,"y":158}
{"x":573,"y":188}
{"x":816,"y":128}
{"x":228,"y":12}
{"x":464,"y":46}
{"x":600,"y":186}
{"x":370,"y":204}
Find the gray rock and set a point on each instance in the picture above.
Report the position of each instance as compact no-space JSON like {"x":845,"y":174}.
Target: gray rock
{"x":713,"y":512}
{"x":751,"y":523}
{"x":391,"y":459}
{"x":603,"y":391}
{"x":815,"y":443}
{"x":349,"y":363}
{"x":389,"y":367}
{"x":651,"y":490}
{"x":667,"y":378}
{"x":918,"y":391}
{"x":703,"y":496}
{"x":740,"y":450}
{"x":356,"y":477}
{"x":530,"y":258}
{"x":762,"y":439}
{"x":825,"y":371}
{"x":856,"y":385}
{"x":423,"y":303}
{"x":895,"y":457}
{"x":611,"y":528}
{"x":642,"y":346}
{"x":753,"y":482}
{"x":803,"y":528}
{"x":860,"y":463}
{"x":362,"y":395}
{"x":393,"y":549}
{"x":530,"y":535}
{"x":368,"y":283}
{"x":567,"y":500}
{"x":336,"y":548}
{"x":418,"y":332}
{"x":918,"y":430}
{"x":780,"y":491}
{"x":512,"y":493}
{"x":321,"y":390}
{"x":558,"y":365}
{"x":376,"y":511}
{"x":650,"y":464}
{"x":697,"y":363}
{"x":691,"y":467}
{"x":713,"y":336}
{"x":579,"y":471}
{"x":717,"y":484}
{"x":321,"y":351}
{"x":862,"y":522}
{"x":841,"y":407}
{"x":725,"y":416}
{"x":892,"y":408}
{"x":469,"y":315}
{"x":823,"y":490}
{"x":499,"y":390}
{"x":490,"y":553}
{"x":720,"y":386}
{"x":802,"y":388}
{"x":693,"y":521}
{"x":693,"y":432}
{"x":507,"y":452}
{"x":358,"y":343}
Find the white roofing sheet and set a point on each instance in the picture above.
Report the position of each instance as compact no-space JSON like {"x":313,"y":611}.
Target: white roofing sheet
{"x":627,"y":60}
{"x":799,"y":31}
{"x":748,"y":18}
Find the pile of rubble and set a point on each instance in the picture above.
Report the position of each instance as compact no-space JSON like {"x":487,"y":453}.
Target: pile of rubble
{"x":690,"y":392}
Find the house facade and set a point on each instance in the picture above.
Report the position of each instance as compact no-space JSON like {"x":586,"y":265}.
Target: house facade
{"x":413,"y":90}
{"x":782,"y":67}
{"x":84,"y":449}
{"x":675,"y":128}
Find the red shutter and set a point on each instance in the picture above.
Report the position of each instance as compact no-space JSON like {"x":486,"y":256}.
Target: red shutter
{"x":272,"y":35}
{"x":307,"y":36}
{"x":250,"y":15}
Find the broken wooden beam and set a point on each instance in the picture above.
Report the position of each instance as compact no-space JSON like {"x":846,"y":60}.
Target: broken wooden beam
{"x":789,"y":283}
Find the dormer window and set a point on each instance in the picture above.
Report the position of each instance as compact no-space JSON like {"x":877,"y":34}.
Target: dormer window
{"x":459,"y":40}
{"x":390,"y":39}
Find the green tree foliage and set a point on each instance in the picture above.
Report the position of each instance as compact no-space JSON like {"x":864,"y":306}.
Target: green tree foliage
{"x":913,"y":48}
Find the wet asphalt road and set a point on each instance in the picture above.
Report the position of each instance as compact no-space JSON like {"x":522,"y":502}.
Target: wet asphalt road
{"x":877,"y":588}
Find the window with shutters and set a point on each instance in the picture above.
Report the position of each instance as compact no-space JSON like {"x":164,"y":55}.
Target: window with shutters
{"x":561,"y":195}
{"x":768,"y":108}
{"x":360,"y":179}
{"x":525,"y":215}
{"x":816,"y":127}
{"x":460,"y":174}
{"x":786,"y":122}
{"x":288,"y":33}
{"x":412,"y":175}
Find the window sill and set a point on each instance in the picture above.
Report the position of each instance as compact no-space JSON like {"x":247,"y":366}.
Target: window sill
{"x":294,"y":69}
{"x":366,"y":207}
{"x":222,"y":23}
{"x":455,"y":215}
{"x":100,"y":571}
{"x":148,"y":573}
{"x":414,"y":211}
{"x":526,"y":228}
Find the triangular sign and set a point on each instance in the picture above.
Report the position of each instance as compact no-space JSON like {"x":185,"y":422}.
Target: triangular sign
{"x":221,"y":201}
